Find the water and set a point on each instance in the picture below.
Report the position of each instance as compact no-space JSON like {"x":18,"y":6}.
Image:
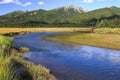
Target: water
{"x":68,"y":62}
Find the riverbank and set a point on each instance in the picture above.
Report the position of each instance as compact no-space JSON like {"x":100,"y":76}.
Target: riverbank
{"x":27,"y":30}
{"x":14,"y":67}
{"x":9,"y":30}
{"x":111,"y":41}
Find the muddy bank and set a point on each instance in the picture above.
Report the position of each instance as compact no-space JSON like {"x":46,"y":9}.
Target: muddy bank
{"x":15,"y":33}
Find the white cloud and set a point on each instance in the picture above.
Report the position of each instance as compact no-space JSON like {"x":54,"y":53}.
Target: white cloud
{"x":6,"y":1}
{"x":17,"y":2}
{"x":41,"y":3}
{"x":88,"y":1}
{"x":101,"y":0}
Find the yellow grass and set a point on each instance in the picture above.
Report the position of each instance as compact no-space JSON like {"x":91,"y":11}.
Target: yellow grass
{"x":108,"y":30}
{"x":8,"y":30}
{"x":104,"y":30}
{"x":100,"y":40}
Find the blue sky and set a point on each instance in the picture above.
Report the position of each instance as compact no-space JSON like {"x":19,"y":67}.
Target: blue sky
{"x":7,"y":6}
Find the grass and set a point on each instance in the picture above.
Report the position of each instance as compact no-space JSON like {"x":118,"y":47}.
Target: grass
{"x":5,"y":41}
{"x":5,"y":66}
{"x":8,"y":30}
{"x":24,"y":49}
{"x":108,"y":30}
{"x":93,"y":39}
{"x":14,"y":67}
{"x":98,"y":30}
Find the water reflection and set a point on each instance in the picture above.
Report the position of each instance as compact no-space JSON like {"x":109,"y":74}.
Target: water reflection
{"x":71,"y":62}
{"x":112,"y":56}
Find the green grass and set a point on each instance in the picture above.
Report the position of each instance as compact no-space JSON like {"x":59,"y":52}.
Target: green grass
{"x":5,"y":41}
{"x":5,"y":66}
{"x":14,"y":67}
{"x":93,"y":39}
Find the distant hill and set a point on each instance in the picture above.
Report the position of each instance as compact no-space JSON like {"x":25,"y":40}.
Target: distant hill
{"x":93,"y":18}
{"x":63,"y":13}
{"x":40,"y":16}
{"x":66,"y":16}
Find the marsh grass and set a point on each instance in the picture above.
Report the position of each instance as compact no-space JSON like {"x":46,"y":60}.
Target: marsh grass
{"x":5,"y":66}
{"x":24,"y":49}
{"x":93,"y":39}
{"x":9,"y":30}
{"x":108,"y":30}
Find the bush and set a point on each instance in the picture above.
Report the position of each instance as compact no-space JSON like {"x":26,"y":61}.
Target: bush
{"x":24,"y":49}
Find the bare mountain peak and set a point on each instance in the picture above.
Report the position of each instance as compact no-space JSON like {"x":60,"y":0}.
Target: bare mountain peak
{"x":75,"y":8}
{"x":19,"y":11}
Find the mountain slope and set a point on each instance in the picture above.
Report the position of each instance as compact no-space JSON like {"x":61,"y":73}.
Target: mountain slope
{"x":67,"y":16}
{"x":63,"y":13}
{"x":91,"y":18}
{"x":40,"y":16}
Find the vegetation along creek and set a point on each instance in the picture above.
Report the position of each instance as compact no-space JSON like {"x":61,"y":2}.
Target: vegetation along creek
{"x":70,"y":62}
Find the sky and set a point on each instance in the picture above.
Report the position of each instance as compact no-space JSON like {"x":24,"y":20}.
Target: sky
{"x":7,"y":6}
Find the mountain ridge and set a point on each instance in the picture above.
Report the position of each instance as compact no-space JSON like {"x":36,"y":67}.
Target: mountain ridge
{"x":76,"y":8}
{"x":65,"y":16}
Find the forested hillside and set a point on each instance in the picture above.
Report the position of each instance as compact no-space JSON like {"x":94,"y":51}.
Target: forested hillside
{"x":67,"y":16}
{"x":105,"y":17}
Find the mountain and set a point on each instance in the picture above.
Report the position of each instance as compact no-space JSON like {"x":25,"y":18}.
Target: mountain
{"x":66,"y":16}
{"x":71,"y":8}
{"x":92,"y":18}
{"x":63,"y":13}
{"x":99,"y":13}
{"x":40,"y":16}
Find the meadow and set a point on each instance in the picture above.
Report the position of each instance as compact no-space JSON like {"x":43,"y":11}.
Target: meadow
{"x":104,"y":40}
{"x":8,"y":30}
{"x":96,"y":30}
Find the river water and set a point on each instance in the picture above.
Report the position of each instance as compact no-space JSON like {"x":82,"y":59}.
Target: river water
{"x":71,"y":62}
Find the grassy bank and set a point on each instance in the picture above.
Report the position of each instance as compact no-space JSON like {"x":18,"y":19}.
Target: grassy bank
{"x":97,"y":30}
{"x":93,"y":39}
{"x":8,"y":30}
{"x":5,"y":66}
{"x":14,"y":67}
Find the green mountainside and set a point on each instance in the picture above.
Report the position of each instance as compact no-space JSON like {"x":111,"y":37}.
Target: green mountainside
{"x":101,"y":18}
{"x":67,"y":16}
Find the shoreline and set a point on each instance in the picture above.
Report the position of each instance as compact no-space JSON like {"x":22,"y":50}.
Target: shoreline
{"x":13,"y":61}
{"x":79,"y":39}
{"x":74,"y":29}
{"x":11,"y":30}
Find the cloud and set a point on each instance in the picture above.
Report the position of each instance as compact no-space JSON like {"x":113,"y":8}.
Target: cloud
{"x":101,"y":0}
{"x":17,"y":2}
{"x":91,"y":1}
{"x":21,"y":4}
{"x":41,"y":3}
{"x":88,"y":1}
{"x":6,"y":1}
